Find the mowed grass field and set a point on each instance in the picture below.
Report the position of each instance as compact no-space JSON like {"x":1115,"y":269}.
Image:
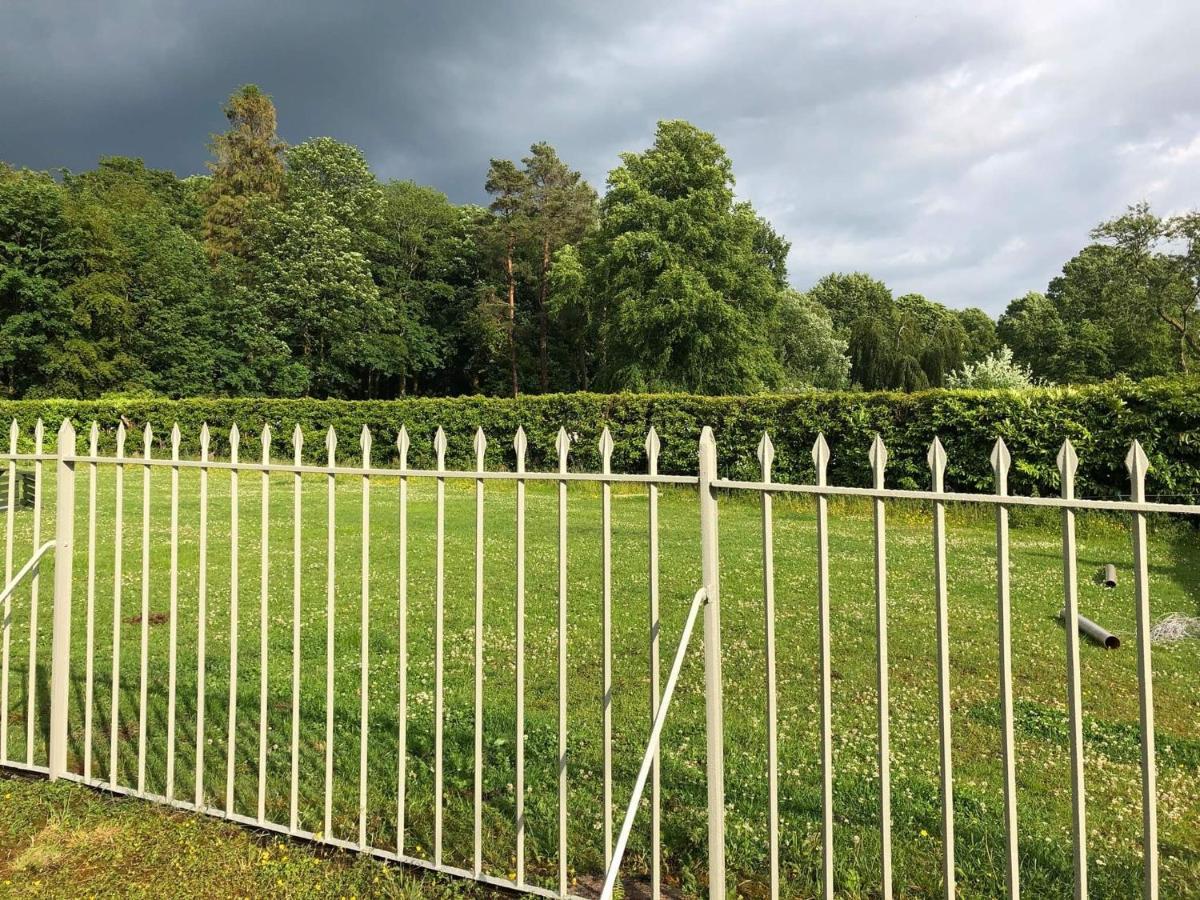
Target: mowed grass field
{"x":1110,"y":695}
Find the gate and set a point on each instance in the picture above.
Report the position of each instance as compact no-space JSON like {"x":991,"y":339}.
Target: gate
{"x":705,"y":606}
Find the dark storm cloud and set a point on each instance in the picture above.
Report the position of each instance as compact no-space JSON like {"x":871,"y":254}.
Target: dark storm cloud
{"x":960,"y":150}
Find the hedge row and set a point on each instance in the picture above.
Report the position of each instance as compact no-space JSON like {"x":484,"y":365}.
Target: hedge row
{"x":1100,"y":420}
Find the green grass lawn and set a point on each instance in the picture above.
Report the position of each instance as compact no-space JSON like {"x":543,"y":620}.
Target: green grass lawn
{"x":1110,"y":686}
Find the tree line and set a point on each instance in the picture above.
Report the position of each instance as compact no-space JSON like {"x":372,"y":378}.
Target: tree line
{"x":294,"y":271}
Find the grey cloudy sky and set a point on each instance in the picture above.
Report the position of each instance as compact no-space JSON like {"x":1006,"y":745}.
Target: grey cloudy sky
{"x":961,"y":150}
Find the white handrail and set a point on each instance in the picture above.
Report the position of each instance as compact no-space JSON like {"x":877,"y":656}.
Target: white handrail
{"x":25,"y":570}
{"x":610,"y":877}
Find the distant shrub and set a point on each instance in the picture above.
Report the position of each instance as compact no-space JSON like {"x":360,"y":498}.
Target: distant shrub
{"x":1101,"y":420}
{"x":996,"y":371}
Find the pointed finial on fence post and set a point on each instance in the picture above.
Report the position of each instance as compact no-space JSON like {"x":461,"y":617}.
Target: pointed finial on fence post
{"x":66,"y":440}
{"x":266,"y":444}
{"x":480,"y":446}
{"x":936,"y":457}
{"x":364,"y":444}
{"x":563,"y":445}
{"x":298,"y":444}
{"x":520,"y":446}
{"x":820,"y":455}
{"x":1001,"y":461}
{"x":402,"y":444}
{"x":439,"y":447}
{"x":878,"y":455}
{"x":1068,"y":464}
{"x":121,"y":434}
{"x":176,"y":437}
{"x":235,"y":440}
{"x":147,"y":439}
{"x":14,"y":431}
{"x":708,"y":454}
{"x":606,"y":449}
{"x":39,"y":435}
{"x":205,"y":440}
{"x":94,"y":439}
{"x":653,"y":447}
{"x":1138,"y":465}
{"x":331,"y":446}
{"x":766,"y":455}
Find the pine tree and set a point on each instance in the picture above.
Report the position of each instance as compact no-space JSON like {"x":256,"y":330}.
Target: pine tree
{"x":508,"y":185}
{"x":248,"y":168}
{"x":561,"y":208}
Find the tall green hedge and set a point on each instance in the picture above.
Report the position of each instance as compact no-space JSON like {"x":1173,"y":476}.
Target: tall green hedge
{"x":1101,"y":420}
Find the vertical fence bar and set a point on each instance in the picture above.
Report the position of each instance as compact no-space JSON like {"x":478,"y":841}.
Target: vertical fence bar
{"x":364,"y":661}
{"x":89,"y":665}
{"x":114,"y":724}
{"x":520,"y":446}
{"x":820,"y":455}
{"x":878,"y":457}
{"x":64,"y":553}
{"x":1068,"y":463}
{"x":563,"y":445}
{"x":264,"y":622}
{"x":402,"y":444}
{"x":297,"y":549}
{"x":480,"y":446}
{"x":606,"y":448}
{"x":653,"y":446}
{"x":937,"y":466}
{"x":1137,"y":464}
{"x":439,"y":614}
{"x":713,"y":705}
{"x":330,"y":562}
{"x":766,"y":455}
{"x":202,"y":617}
{"x":1001,"y":461}
{"x":39,"y":435}
{"x":231,"y":742}
{"x":144,"y":657}
{"x":14,"y":431}
{"x":173,"y":627}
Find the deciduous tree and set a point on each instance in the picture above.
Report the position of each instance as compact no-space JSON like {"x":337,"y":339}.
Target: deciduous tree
{"x":688,"y":280}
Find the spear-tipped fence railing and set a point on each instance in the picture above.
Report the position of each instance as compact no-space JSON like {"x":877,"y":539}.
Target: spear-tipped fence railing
{"x":706,"y":600}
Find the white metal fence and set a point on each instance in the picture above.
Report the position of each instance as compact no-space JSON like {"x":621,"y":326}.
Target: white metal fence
{"x":706,"y":601}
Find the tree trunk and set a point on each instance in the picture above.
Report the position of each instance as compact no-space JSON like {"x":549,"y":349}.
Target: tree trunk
{"x":585,"y":381}
{"x":543,"y":320}
{"x":512,"y":315}
{"x":1186,"y":341}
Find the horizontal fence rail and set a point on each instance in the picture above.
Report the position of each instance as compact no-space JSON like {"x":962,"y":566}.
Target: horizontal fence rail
{"x":305,"y":626}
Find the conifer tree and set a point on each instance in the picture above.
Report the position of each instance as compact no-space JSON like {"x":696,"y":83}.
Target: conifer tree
{"x":248,"y":167}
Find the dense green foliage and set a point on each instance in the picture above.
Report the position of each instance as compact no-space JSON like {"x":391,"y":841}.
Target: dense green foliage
{"x":296,"y":272}
{"x":689,"y":281}
{"x":1101,"y":421}
{"x":1124,"y":306}
{"x":907,"y":343}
